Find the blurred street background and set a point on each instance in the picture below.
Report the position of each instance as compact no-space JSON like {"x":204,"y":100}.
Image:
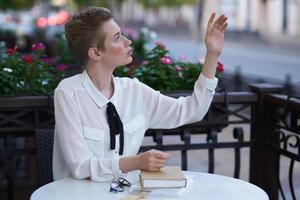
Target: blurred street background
{"x":262,"y":44}
{"x":262,"y":41}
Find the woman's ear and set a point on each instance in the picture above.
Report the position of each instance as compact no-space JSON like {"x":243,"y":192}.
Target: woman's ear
{"x":94,"y":54}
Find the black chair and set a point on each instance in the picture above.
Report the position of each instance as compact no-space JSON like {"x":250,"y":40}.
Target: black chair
{"x":44,"y":151}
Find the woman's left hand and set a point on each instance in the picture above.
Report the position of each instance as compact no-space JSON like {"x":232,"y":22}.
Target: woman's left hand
{"x":214,"y":37}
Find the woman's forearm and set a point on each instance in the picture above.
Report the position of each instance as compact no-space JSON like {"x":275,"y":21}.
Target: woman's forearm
{"x":152,"y":160}
{"x":210,"y":65}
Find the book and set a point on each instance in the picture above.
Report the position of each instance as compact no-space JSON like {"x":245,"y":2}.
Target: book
{"x":136,"y":188}
{"x":168,"y":177}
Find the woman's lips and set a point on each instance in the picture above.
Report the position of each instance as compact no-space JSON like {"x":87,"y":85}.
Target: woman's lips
{"x":129,"y":52}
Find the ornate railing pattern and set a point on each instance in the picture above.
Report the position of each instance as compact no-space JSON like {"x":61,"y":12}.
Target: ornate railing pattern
{"x":19,"y":117}
{"x":284,"y":132}
{"x":237,"y":104}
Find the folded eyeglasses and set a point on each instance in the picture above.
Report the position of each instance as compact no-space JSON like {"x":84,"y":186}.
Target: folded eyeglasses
{"x":119,"y":184}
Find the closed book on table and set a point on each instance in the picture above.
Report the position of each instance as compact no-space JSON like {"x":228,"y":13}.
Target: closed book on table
{"x":167,"y":177}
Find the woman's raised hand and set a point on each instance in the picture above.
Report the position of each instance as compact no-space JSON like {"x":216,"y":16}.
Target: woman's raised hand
{"x":214,"y":37}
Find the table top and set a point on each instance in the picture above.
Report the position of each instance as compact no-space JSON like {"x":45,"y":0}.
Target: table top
{"x":199,"y":186}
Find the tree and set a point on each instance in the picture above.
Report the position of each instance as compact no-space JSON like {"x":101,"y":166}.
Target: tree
{"x":87,"y":3}
{"x":16,"y":4}
{"x":170,"y":3}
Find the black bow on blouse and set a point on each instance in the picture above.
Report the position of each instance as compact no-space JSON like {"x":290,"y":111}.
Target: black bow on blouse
{"x":116,"y":127}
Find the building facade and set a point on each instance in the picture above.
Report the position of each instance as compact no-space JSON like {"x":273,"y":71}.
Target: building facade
{"x":272,"y":19}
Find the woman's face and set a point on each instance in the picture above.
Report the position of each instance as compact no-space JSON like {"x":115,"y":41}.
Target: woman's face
{"x":117,"y":50}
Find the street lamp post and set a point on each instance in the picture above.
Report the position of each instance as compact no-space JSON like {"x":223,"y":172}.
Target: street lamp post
{"x":284,"y":19}
{"x":248,"y":22}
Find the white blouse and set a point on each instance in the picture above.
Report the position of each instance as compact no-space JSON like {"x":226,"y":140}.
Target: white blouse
{"x":81,"y":139}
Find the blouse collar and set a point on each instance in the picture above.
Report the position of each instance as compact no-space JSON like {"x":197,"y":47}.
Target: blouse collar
{"x":94,"y":93}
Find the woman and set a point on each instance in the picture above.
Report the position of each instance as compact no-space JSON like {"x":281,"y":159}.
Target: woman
{"x":101,"y":119}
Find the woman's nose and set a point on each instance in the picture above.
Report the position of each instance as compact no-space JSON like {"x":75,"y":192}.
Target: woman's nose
{"x":127,"y":41}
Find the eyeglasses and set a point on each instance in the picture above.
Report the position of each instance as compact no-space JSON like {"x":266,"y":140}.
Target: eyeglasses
{"x":119,"y":184}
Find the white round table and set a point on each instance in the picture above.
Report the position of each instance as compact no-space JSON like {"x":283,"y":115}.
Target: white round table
{"x":200,"y":186}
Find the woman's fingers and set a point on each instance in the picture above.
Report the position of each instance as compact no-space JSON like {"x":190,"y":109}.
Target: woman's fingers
{"x":163,"y":156}
{"x":211,"y":19}
{"x":154,"y":160}
{"x":156,"y":167}
{"x":160,"y":161}
{"x":224,"y":27}
{"x":210,"y":23}
{"x":160,"y":154}
{"x":219,"y":23}
{"x":224,"y":20}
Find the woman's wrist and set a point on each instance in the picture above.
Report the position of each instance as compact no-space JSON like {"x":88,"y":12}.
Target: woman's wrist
{"x":212,"y":55}
{"x":128,"y":164}
{"x":136,"y":162}
{"x":210,"y":65}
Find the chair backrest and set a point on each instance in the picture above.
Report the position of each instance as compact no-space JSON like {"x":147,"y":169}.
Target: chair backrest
{"x":44,"y":151}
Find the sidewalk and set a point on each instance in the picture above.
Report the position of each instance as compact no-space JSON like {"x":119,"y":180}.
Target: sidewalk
{"x":253,"y":56}
{"x":290,"y":45}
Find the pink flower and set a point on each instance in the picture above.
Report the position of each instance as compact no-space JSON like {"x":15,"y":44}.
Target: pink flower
{"x":27,"y":59}
{"x":179,"y":69}
{"x":182,"y":57}
{"x":61,"y":67}
{"x":145,"y":62}
{"x":165,"y":60}
{"x":11,"y":51}
{"x":130,"y":32}
{"x":160,"y":45}
{"x":38,"y":46}
{"x":220,"y":67}
{"x":45,"y":60}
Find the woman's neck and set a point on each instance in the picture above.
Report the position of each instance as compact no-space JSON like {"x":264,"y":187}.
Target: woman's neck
{"x":101,"y":77}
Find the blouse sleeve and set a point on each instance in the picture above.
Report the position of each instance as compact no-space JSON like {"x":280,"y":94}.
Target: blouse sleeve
{"x":166,"y":112}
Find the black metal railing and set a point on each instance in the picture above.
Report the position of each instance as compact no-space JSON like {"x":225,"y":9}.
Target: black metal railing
{"x":284,"y":134}
{"x":20,"y":116}
{"x":224,"y":107}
